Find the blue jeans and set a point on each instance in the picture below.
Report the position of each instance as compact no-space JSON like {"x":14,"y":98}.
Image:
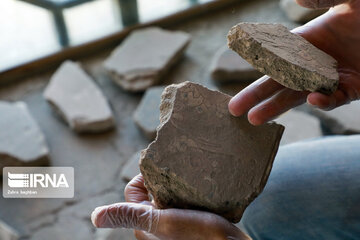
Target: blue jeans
{"x":313,"y":192}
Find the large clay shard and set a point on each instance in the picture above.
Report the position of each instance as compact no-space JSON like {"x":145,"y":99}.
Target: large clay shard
{"x":76,"y":98}
{"x":228,"y":66}
{"x":204,"y":158}
{"x":286,"y":57}
{"x":146,"y":115}
{"x":299,"y":14}
{"x":21,"y":141}
{"x":145,"y":56}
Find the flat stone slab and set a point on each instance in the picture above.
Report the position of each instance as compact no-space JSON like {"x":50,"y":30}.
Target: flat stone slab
{"x":78,"y":100}
{"x":299,"y":126}
{"x":147,"y":114}
{"x":286,"y":57}
{"x":145,"y":57}
{"x":299,"y":14}
{"x":131,"y":168}
{"x":341,"y":120}
{"x":203,"y":157}
{"x":7,"y":233}
{"x":228,"y":66}
{"x":22,"y":143}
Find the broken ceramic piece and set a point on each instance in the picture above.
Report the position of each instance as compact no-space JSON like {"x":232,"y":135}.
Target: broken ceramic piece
{"x":298,"y":126}
{"x":114,"y":234}
{"x":78,"y":100}
{"x":203,"y":157}
{"x":342,"y":120}
{"x":299,"y":14}
{"x":131,"y":168}
{"x":228,"y":66}
{"x":147,"y":114}
{"x":21,"y":141}
{"x":7,"y":233}
{"x":286,"y":57}
{"x":145,"y":56}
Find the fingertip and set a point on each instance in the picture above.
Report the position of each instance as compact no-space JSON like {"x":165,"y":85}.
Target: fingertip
{"x":318,"y":100}
{"x":254,"y":119}
{"x":233,"y":107}
{"x":95,"y":216}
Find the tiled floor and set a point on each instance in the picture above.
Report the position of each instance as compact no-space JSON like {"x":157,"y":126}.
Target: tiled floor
{"x":98,"y":159}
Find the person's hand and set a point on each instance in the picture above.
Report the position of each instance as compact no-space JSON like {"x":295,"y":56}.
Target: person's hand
{"x":170,"y":224}
{"x":336,"y":33}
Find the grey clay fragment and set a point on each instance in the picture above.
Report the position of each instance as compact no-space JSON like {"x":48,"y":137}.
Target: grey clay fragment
{"x":299,"y":126}
{"x":299,"y":14}
{"x":341,"y":120}
{"x":286,"y":57}
{"x":7,"y":233}
{"x":78,"y":100}
{"x":21,"y":141}
{"x":204,"y":158}
{"x":145,"y":57}
{"x":131,"y":168}
{"x":228,"y":66}
{"x":146,"y":115}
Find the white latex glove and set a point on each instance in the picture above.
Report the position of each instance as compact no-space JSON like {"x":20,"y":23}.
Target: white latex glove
{"x":170,"y":224}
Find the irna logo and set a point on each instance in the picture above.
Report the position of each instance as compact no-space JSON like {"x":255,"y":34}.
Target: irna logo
{"x":19,"y":180}
{"x":38,"y":182}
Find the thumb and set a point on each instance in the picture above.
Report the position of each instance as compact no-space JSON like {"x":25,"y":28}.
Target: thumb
{"x":127,"y":215}
{"x":320,"y":3}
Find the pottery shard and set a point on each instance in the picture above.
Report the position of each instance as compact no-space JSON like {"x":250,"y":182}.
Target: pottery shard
{"x":147,"y":114}
{"x":145,"y":56}
{"x":21,"y":141}
{"x":204,"y":158}
{"x":77,"y":99}
{"x":299,"y":126}
{"x":228,"y":66}
{"x":131,"y":168}
{"x":7,"y":233}
{"x":286,"y":57}
{"x":341,"y":120}
{"x":299,"y":14}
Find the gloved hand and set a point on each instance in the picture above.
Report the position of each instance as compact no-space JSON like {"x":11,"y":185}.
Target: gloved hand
{"x":336,"y":33}
{"x":170,"y":224}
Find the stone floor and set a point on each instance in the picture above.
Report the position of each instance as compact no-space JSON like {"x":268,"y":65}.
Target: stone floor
{"x":98,"y":159}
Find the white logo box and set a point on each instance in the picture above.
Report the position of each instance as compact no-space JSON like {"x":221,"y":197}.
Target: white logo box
{"x":38,"y":182}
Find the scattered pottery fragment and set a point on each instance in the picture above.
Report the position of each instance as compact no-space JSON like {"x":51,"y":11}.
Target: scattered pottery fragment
{"x":341,"y":120}
{"x":147,"y":114}
{"x":228,"y":66}
{"x":77,"y":99}
{"x":7,"y":233}
{"x":203,"y":157}
{"x":21,"y":141}
{"x":286,"y":57}
{"x":131,"y":168}
{"x":299,"y":14}
{"x":145,"y":56}
{"x":114,"y":234}
{"x":299,"y":126}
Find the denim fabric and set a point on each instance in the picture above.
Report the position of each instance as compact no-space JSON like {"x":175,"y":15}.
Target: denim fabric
{"x":313,"y":192}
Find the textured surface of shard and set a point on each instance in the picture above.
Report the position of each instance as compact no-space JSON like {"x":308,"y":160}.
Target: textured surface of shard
{"x":203,"y":157}
{"x":286,"y":57}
